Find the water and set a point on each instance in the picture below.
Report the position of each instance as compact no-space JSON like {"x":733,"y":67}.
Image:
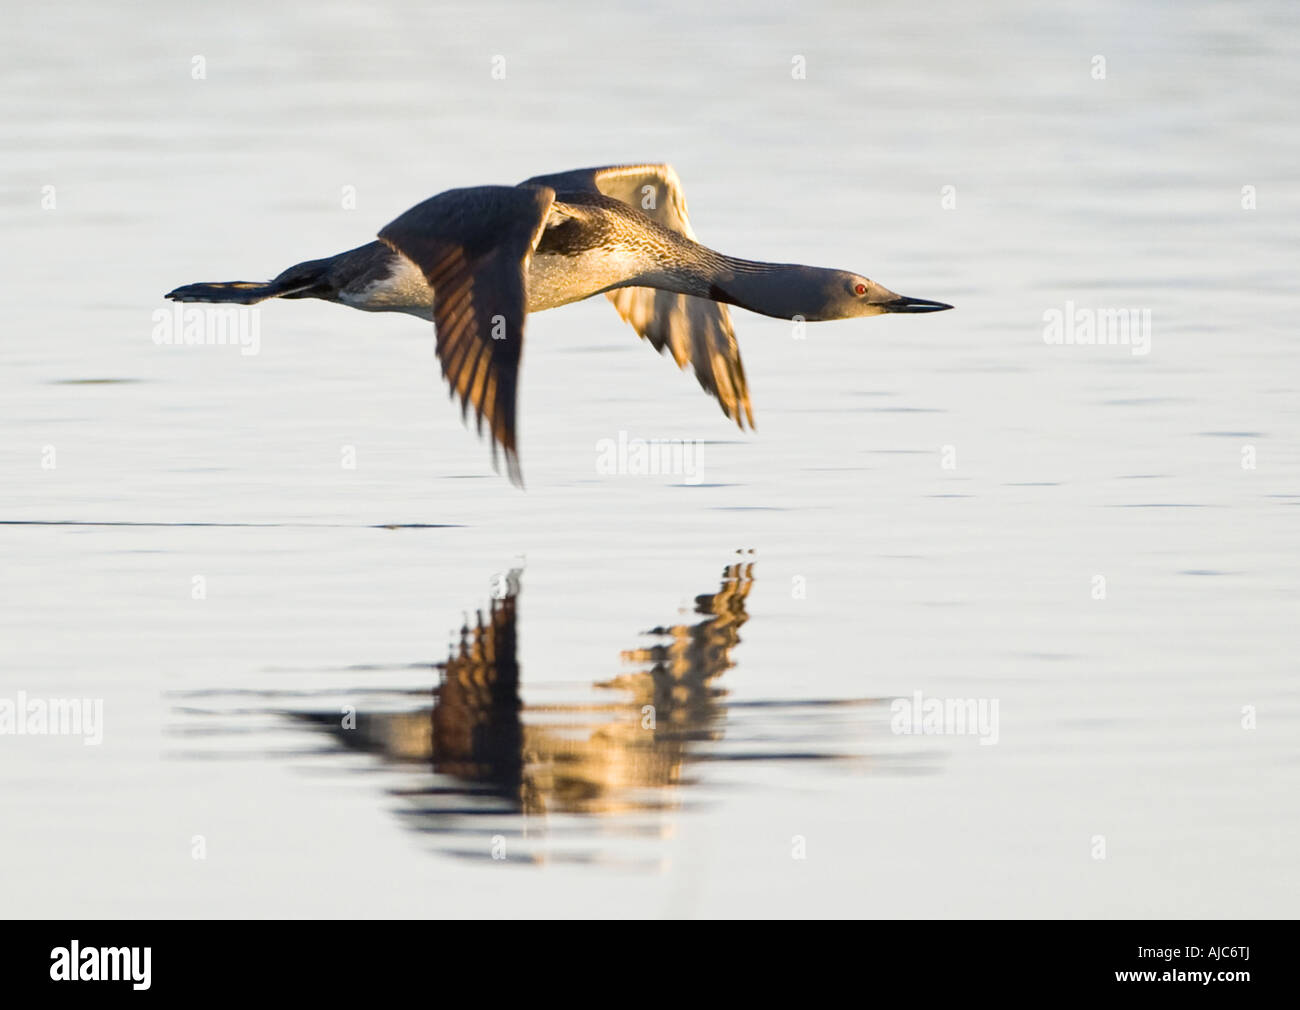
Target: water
{"x":927,"y":505}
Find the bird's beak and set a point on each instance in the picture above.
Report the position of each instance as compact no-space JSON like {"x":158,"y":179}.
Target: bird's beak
{"x":901,"y":303}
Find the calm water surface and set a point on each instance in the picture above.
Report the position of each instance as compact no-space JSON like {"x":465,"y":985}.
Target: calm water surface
{"x":405,"y":688}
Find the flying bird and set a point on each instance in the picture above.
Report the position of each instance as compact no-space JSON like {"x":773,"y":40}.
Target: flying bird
{"x":476,"y":261}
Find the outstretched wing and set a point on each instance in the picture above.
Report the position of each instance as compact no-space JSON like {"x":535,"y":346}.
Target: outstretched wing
{"x":694,"y":330}
{"x":473,"y":247}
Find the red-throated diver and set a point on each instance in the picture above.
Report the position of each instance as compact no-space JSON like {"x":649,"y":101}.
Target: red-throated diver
{"x":476,"y":261}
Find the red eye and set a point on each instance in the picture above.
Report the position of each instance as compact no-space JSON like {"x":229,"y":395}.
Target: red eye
{"x":861,"y":289}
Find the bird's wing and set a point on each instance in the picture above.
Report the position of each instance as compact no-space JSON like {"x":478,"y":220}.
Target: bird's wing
{"x":695,"y":330}
{"x":474,"y":246}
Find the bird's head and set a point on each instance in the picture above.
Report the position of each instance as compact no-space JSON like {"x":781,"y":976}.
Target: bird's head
{"x":847,"y":295}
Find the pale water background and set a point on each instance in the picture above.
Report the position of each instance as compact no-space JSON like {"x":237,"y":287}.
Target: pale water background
{"x":1120,"y":718}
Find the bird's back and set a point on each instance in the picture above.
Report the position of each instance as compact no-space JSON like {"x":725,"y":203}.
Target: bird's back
{"x":591,"y":244}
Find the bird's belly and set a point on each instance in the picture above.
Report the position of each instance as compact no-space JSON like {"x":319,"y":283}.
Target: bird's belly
{"x":403,"y":289}
{"x":555,"y":280}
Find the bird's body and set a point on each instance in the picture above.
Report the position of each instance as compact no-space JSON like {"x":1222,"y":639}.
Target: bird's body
{"x":585,"y":249}
{"x":477,"y":261}
{"x":569,"y":265}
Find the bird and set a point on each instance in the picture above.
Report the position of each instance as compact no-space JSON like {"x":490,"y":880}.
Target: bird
{"x":476,"y":261}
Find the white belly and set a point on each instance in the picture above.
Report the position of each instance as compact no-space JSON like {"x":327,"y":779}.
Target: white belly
{"x":552,"y":281}
{"x":403,"y":290}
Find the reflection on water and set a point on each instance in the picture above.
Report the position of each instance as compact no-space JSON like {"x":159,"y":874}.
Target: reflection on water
{"x":488,"y":776}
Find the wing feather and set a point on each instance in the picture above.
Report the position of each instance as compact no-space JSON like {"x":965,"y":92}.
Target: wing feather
{"x":695,"y":331}
{"x":473,"y":247}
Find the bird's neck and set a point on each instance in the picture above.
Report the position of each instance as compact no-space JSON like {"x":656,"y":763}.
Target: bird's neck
{"x":781,"y":290}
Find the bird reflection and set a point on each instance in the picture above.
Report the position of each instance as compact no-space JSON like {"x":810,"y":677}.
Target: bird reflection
{"x":492,"y":754}
{"x":477,"y":770}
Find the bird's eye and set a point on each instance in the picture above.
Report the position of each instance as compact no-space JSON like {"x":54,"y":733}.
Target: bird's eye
{"x":860,"y":289}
